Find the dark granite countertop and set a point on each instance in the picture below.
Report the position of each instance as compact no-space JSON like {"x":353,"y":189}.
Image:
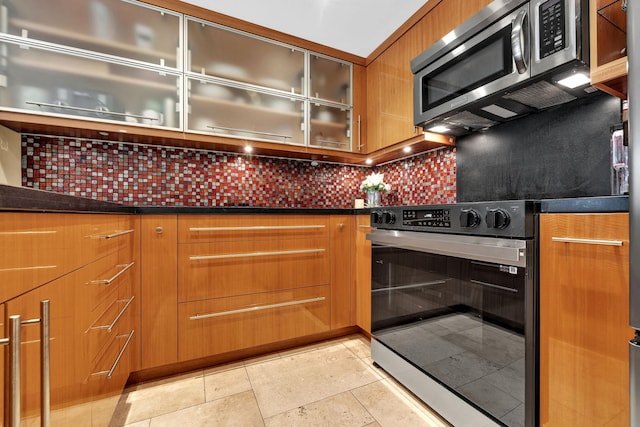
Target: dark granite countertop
{"x":586,"y":205}
{"x":240,"y":210}
{"x":28,"y":199}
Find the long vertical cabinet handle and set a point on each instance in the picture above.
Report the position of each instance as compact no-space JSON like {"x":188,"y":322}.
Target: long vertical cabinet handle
{"x":12,"y":378}
{"x":45,"y":378}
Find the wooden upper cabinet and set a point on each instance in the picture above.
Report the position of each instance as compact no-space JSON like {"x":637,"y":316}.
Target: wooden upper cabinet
{"x":359,"y":120}
{"x":389,"y":76}
{"x":608,"y":23}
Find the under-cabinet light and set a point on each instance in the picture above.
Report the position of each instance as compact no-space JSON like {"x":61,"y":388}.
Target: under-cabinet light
{"x":438,"y":129}
{"x":368,"y":161}
{"x":407,"y":149}
{"x":248,"y":149}
{"x":575,"y":80}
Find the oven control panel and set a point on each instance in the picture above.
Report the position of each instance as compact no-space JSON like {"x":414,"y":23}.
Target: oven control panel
{"x":427,"y":217}
{"x":504,"y":219}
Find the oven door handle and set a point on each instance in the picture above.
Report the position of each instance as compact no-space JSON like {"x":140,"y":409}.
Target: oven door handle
{"x":489,"y":249}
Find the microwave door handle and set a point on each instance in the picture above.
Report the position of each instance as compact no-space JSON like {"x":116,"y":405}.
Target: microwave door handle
{"x":520,"y":41}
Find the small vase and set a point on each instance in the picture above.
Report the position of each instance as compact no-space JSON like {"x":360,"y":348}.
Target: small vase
{"x":373,"y":199}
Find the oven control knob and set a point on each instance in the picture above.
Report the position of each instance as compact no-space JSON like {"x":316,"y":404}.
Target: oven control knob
{"x":388,"y":218}
{"x":497,"y":218}
{"x":375,"y":218}
{"x":469,"y":218}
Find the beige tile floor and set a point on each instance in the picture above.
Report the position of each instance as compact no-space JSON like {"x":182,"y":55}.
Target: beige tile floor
{"x":331,"y":383}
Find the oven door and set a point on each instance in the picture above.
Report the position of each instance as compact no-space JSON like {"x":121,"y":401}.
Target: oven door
{"x":459,"y":309}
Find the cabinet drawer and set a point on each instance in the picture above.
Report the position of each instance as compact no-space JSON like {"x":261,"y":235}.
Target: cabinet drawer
{"x":103,"y":234}
{"x":250,"y":227}
{"x":108,"y":300}
{"x":109,"y":376}
{"x":107,"y":274}
{"x":34,"y":249}
{"x":111,"y":320}
{"x":220,"y":325}
{"x":37,"y":248}
{"x":227,"y":268}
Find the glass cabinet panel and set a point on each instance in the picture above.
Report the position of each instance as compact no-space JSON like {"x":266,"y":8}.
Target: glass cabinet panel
{"x":59,"y":83}
{"x":241,"y":112}
{"x":330,"y":127}
{"x":114,"y":27}
{"x":226,"y":53}
{"x":329,"y":79}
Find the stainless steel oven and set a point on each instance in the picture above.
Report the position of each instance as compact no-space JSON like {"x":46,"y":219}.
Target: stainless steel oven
{"x":453,"y":307}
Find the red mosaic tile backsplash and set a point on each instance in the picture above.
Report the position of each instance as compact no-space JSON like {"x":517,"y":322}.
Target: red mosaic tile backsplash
{"x":164,"y":176}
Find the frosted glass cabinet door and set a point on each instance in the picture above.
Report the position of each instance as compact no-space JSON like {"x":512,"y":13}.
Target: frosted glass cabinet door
{"x":329,"y":79}
{"x":115,"y":27}
{"x":225,"y":53}
{"x":58,"y":83}
{"x":231,"y":111}
{"x":330,"y":127}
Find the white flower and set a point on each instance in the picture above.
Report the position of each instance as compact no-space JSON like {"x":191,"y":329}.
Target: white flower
{"x":375,"y":182}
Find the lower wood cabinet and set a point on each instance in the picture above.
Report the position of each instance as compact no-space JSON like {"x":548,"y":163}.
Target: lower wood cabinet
{"x":219,"y":325}
{"x":584,"y":317}
{"x":158,"y":290}
{"x":362,"y":272}
{"x":93,"y":319}
{"x":342,"y":285}
{"x":213,"y":284}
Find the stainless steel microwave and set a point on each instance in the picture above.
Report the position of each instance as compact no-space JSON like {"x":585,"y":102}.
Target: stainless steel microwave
{"x":506,"y":61}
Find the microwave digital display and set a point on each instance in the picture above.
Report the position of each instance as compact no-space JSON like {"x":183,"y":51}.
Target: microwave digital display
{"x":552,"y":30}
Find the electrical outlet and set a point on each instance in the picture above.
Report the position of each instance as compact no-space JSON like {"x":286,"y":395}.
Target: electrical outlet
{"x":4,"y":145}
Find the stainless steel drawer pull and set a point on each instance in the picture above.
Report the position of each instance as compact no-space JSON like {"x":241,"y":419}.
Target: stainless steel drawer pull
{"x":255,"y":254}
{"x":112,"y":235}
{"x":124,"y":267}
{"x":258,"y":228}
{"x":110,"y":326}
{"x":277,"y":135}
{"x":256,"y":308}
{"x":491,"y":285}
{"x":588,"y":241}
{"x":100,"y":112}
{"x":326,"y":141}
{"x":109,"y":373}
{"x":35,"y":267}
{"x":416,"y":285}
{"x":25,"y":233}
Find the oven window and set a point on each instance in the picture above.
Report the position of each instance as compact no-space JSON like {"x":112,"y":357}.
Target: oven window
{"x":481,"y":64}
{"x":460,"y":321}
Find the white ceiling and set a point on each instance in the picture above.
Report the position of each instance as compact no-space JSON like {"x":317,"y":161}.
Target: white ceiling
{"x":353,"y":26}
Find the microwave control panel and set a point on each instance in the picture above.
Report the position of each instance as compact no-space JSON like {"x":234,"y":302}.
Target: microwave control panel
{"x":552,"y":28}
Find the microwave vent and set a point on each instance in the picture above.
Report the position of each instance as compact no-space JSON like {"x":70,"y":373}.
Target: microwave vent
{"x":540,"y":95}
{"x":470,"y":120}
